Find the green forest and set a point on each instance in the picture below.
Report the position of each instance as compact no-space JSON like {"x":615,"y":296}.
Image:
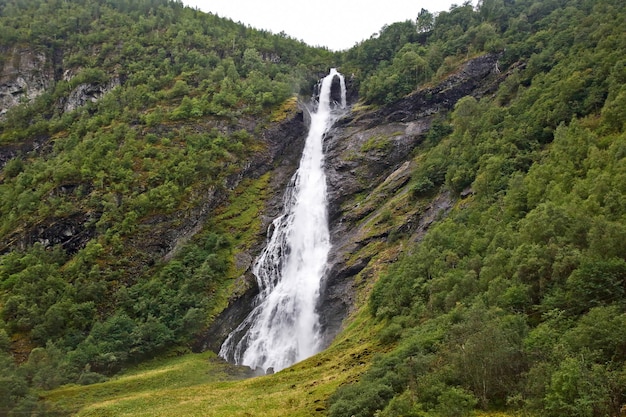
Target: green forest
{"x":514,"y":302}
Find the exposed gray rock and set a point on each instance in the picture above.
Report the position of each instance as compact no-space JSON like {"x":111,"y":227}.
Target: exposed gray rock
{"x":335,"y":90}
{"x":359,"y":157}
{"x":237,"y":310}
{"x":477,"y":77}
{"x":88,"y":93}
{"x":437,"y":209}
{"x":71,"y":232}
{"x":27,"y":74}
{"x":370,"y":149}
{"x":13,"y":150}
{"x":24,"y":76}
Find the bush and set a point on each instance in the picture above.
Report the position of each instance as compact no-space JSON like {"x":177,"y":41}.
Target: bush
{"x":402,"y":406}
{"x":13,"y":167}
{"x":88,"y":378}
{"x":597,"y":283}
{"x":359,"y":400}
{"x":421,"y":186}
{"x":455,"y":402}
{"x":580,"y":389}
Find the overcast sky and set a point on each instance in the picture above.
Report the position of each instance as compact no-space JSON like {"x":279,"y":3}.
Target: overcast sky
{"x":336,"y":24}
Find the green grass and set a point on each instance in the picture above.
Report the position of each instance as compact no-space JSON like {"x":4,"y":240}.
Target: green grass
{"x":287,"y":109}
{"x":377,"y":143}
{"x":241,"y":216}
{"x":203,"y":385}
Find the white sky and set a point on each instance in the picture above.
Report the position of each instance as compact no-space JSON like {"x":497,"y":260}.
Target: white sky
{"x":337,"y":24}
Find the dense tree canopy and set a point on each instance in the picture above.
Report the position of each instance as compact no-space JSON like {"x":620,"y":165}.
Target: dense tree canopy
{"x":516,"y":299}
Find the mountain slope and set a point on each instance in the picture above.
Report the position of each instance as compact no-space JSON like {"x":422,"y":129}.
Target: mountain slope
{"x":515,"y":296}
{"x":124,"y":126}
{"x":477,"y":209}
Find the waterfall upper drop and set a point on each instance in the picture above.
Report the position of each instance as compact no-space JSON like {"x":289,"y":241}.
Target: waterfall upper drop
{"x":283,"y":327}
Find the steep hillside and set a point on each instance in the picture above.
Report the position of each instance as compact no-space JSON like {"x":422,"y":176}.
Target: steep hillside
{"x":515,"y":295}
{"x":125,"y":128}
{"x":476,"y":200}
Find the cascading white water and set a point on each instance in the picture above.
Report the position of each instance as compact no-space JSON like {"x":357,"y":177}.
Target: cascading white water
{"x":283,"y":327}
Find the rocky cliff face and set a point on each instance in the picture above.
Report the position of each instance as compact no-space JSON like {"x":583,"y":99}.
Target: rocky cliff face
{"x":369,"y":162}
{"x":25,"y":75}
{"x":87,"y":92}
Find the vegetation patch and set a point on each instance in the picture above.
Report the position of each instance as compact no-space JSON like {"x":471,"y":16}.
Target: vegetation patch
{"x":287,"y":109}
{"x":193,"y":385}
{"x":240,"y":217}
{"x":377,"y":143}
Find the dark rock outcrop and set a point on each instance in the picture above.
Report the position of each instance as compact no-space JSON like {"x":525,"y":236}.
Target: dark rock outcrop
{"x":373,"y":150}
{"x":25,"y":75}
{"x":238,"y":309}
{"x":477,"y":77}
{"x":88,"y":93}
{"x":15,"y":150}
{"x":335,"y":90}
{"x":71,"y":232}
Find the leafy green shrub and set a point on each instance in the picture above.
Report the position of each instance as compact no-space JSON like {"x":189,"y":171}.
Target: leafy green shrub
{"x":402,"y":405}
{"x":13,"y":167}
{"x":421,"y":187}
{"x":596,"y":283}
{"x":391,"y":333}
{"x":455,"y":402}
{"x":581,"y":389}
{"x":360,"y":400}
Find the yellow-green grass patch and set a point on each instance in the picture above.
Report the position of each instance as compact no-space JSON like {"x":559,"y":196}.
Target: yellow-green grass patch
{"x":201,"y":385}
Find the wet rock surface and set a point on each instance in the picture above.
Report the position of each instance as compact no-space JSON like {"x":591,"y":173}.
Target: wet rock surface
{"x":366,"y":152}
{"x":371,"y":152}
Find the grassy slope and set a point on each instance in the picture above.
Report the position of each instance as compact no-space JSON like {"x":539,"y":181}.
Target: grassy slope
{"x":202,"y":385}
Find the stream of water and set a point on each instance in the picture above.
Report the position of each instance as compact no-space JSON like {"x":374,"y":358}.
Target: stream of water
{"x":283,"y":327}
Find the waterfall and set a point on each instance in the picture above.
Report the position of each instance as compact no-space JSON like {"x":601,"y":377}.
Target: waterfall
{"x":283,"y":326}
